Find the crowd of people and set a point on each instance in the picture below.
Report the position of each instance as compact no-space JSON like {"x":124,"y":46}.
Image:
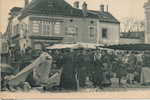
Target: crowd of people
{"x":98,"y":67}
{"x":94,"y":68}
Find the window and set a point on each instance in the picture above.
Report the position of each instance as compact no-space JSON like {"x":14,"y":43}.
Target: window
{"x":35,"y":26}
{"x":104,"y":33}
{"x":57,"y":27}
{"x":16,"y":29}
{"x":48,"y":27}
{"x":23,"y":30}
{"x":71,"y":31}
{"x":45,"y":27}
{"x":4,"y":47}
{"x":92,"y":32}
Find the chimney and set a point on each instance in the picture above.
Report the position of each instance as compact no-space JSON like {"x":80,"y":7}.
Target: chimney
{"x":26,"y":2}
{"x":84,"y":6}
{"x":102,"y":7}
{"x":107,"y":8}
{"x":76,"y":4}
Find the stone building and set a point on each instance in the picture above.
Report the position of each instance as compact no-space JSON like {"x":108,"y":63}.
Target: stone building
{"x":46,"y":22}
{"x":147,"y":22}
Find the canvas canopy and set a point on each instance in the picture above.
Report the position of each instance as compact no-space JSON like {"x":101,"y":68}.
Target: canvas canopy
{"x":89,"y":45}
{"x":75,"y":46}
{"x":62,"y":46}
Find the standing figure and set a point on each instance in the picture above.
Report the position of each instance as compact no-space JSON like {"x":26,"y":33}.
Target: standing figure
{"x":69,"y":75}
{"x":97,"y":71}
{"x":79,"y":63}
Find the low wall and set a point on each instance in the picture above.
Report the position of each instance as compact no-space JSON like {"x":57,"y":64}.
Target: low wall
{"x":130,"y":41}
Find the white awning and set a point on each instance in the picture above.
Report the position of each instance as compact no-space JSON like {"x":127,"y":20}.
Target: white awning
{"x":63,"y":46}
{"x":75,"y":46}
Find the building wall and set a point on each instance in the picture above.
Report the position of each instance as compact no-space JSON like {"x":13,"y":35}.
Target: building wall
{"x":147,"y":22}
{"x":43,"y":22}
{"x":113,"y":31}
{"x":86,"y":30}
{"x":130,"y":41}
{"x":72,"y":29}
{"x":82,"y":27}
{"x":82,"y":33}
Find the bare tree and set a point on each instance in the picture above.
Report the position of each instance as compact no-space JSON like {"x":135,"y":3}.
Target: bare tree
{"x":132,"y":25}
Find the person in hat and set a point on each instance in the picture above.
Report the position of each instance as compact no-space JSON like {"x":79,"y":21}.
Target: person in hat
{"x":79,"y":63}
{"x":69,"y":73}
{"x":88,"y":62}
{"x":106,"y":75}
{"x":97,"y":70}
{"x":146,"y":60}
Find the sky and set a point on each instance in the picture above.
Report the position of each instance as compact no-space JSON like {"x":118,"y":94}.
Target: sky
{"x":119,"y":8}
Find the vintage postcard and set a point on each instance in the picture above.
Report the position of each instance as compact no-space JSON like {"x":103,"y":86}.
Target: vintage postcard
{"x":74,"y":49}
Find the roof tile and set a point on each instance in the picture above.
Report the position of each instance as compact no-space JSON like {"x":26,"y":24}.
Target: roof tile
{"x":62,"y":8}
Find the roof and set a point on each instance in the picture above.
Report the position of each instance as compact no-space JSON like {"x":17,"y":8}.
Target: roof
{"x":105,"y":16}
{"x":16,"y":9}
{"x":62,"y":8}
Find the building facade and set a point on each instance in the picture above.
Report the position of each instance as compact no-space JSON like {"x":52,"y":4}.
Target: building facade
{"x":147,"y":22}
{"x":46,"y":22}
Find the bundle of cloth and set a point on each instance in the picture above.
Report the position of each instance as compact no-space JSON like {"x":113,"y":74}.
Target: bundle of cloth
{"x":145,"y":73}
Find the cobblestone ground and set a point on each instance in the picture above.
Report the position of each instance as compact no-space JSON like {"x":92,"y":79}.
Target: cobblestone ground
{"x":90,"y":89}
{"x":108,"y":89}
{"x":113,"y":89}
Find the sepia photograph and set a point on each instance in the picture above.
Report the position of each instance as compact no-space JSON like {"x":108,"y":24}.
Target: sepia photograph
{"x":75,"y":46}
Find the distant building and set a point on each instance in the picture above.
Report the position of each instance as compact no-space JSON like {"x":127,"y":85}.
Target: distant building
{"x":147,"y":21}
{"x":45,"y":22}
{"x":132,"y":37}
